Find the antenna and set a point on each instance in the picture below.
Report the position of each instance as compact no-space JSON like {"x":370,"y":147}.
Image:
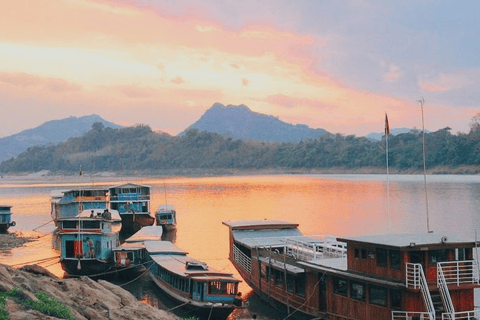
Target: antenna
{"x":422,"y":102}
{"x":165,"y":191}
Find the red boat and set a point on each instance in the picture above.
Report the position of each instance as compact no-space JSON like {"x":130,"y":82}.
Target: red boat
{"x":391,"y":276}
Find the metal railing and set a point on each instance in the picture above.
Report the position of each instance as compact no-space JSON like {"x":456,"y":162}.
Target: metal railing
{"x":314,"y":250}
{"x":409,"y":315}
{"x":242,"y":259}
{"x":457,"y":272}
{"x":415,"y":278}
{"x":444,"y":292}
{"x":462,"y":315}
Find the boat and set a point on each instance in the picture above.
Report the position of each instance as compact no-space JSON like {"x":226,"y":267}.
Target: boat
{"x":132,"y":201}
{"x":390,"y":276}
{"x":70,"y":203}
{"x":191,"y":282}
{"x":132,"y":254}
{"x":166,"y":216}
{"x":88,"y":240}
{"x":6,"y":218}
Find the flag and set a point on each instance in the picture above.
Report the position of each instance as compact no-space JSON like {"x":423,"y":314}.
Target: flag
{"x":387,"y":127}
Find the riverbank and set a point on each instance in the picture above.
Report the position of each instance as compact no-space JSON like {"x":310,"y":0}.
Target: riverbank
{"x":84,"y":298}
{"x":9,"y":241}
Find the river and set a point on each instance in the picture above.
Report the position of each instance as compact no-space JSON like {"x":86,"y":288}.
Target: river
{"x":340,"y":205}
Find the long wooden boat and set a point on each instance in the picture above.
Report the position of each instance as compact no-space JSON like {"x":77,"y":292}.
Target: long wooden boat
{"x":88,"y":240}
{"x":391,"y":276}
{"x":166,"y":216}
{"x":132,"y":201}
{"x":192,"y":282}
{"x":70,"y":203}
{"x":132,"y":255}
{"x":6,"y":218}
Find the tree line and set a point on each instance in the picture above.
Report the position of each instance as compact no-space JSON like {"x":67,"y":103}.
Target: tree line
{"x":140,"y":148}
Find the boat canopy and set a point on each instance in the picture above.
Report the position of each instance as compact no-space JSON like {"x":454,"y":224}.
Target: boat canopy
{"x":163,"y":248}
{"x":264,"y":238}
{"x":259,"y":224}
{"x":94,"y":213}
{"x":146,"y":233}
{"x":165,"y":208}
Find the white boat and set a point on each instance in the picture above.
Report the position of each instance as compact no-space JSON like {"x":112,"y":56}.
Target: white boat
{"x":166,"y":216}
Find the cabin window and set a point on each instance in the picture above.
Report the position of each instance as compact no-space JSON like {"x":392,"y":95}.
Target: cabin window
{"x":395,"y":259}
{"x":382,"y":257}
{"x":300,"y":284}
{"x":357,"y":291}
{"x":364,"y":254}
{"x":378,"y":296}
{"x":340,"y":286}
{"x":279,"y":277}
{"x":460,"y":254}
{"x":396,"y":299}
{"x":290,"y":282}
{"x":217,"y":287}
{"x":438,"y":256}
{"x":357,"y":253}
{"x":69,"y":224}
{"x":91,"y":224}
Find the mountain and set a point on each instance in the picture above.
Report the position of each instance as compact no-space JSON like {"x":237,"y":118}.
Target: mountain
{"x":50,"y":132}
{"x":239,"y":122}
{"x":377,"y":136}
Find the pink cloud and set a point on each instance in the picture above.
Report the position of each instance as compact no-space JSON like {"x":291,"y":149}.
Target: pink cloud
{"x":245,"y":82}
{"x":136,"y":92}
{"x":20,"y":79}
{"x":177,"y":80}
{"x":292,"y":102}
{"x":434,"y":88}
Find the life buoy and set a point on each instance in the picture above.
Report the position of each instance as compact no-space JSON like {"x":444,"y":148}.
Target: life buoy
{"x":13,"y":224}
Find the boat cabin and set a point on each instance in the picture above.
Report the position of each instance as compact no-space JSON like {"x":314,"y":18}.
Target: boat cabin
{"x":6,"y":218}
{"x":166,"y":216}
{"x":70,"y":203}
{"x":130,"y":197}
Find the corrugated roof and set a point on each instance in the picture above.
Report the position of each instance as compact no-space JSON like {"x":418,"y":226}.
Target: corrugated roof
{"x":259,"y":224}
{"x":264,"y":238}
{"x":147,"y":233}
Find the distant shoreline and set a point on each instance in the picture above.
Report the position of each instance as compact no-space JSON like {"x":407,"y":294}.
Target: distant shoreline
{"x":57,"y":177}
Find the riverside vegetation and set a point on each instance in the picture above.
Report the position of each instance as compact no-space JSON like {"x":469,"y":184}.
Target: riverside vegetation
{"x":139,"y":148}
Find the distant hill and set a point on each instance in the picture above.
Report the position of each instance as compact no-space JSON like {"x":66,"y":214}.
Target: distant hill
{"x":239,"y":122}
{"x":50,"y":132}
{"x":377,"y":136}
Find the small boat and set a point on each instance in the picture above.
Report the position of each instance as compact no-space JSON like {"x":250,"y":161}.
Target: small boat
{"x":6,"y":218}
{"x":70,"y":203}
{"x":88,"y":240}
{"x":166,"y":217}
{"x":132,"y":201}
{"x":132,"y":253}
{"x":192,"y":282}
{"x":377,"y":277}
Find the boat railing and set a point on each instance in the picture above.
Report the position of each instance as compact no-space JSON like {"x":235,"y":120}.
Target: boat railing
{"x":457,"y":272}
{"x":242,"y":259}
{"x":129,"y":197}
{"x":415,"y":278}
{"x":304,"y":250}
{"x":409,"y":315}
{"x":462,"y":315}
{"x":444,"y":292}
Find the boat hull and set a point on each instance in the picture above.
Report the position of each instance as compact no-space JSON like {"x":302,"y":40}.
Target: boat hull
{"x":90,"y":267}
{"x":131,"y":223}
{"x":4,"y":226}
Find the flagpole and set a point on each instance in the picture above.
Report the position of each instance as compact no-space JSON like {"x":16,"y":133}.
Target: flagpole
{"x":387,"y":131}
{"x":422,"y":102}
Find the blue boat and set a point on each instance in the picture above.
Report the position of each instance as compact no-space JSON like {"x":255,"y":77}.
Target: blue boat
{"x":132,"y":201}
{"x":132,"y":254}
{"x":88,"y":240}
{"x":68,"y":204}
{"x":166,"y":217}
{"x":192,"y":282}
{"x":6,"y":218}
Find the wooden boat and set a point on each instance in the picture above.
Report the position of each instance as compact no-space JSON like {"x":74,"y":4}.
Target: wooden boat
{"x":166,"y":217}
{"x":88,"y":240}
{"x":410,"y":276}
{"x":192,"y":282}
{"x":70,"y":203}
{"x":6,"y":218}
{"x":132,"y":254}
{"x":132,"y":201}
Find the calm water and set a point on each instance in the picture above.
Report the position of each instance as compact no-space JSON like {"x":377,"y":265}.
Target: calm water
{"x":341,"y":205}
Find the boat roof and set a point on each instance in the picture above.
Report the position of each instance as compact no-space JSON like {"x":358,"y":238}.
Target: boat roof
{"x":85,"y":214}
{"x":4,"y":206}
{"x":163,"y":248}
{"x":81,"y":189}
{"x":259,"y":224}
{"x":146,"y":233}
{"x":178,"y":265}
{"x":128,"y":185}
{"x":126,"y":246}
{"x":411,"y":240}
{"x":165,"y":207}
{"x":265,"y":238}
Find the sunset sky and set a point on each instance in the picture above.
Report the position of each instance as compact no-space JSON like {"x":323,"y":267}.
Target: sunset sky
{"x":336,"y":65}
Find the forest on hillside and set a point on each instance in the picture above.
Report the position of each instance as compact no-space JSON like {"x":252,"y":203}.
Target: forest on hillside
{"x":141,"y":149}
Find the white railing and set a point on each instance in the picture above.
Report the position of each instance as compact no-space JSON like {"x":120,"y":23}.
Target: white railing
{"x":444,"y":292}
{"x":462,"y":315}
{"x":314,"y":250}
{"x":409,"y":315}
{"x":242,"y":259}
{"x":415,"y":277}
{"x":457,"y":272}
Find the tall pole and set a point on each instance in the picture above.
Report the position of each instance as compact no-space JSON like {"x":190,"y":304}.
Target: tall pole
{"x":387,"y":131}
{"x":422,"y":102}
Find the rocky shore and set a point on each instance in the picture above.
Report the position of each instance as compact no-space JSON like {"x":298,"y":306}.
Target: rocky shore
{"x":84,"y":298}
{"x":11,"y":240}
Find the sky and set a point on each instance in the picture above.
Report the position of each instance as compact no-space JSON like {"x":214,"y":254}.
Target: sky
{"x":336,"y":65}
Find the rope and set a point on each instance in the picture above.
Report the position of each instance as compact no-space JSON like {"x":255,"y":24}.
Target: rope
{"x":179,"y":306}
{"x":211,"y":309}
{"x":37,"y":261}
{"x":42,"y":225}
{"x":306,"y":300}
{"x":124,"y":284}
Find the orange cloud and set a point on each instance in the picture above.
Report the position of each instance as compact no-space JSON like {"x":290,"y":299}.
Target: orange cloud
{"x":21,"y":79}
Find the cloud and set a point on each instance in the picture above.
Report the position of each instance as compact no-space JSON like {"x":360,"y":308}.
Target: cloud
{"x":245,"y":82}
{"x":442,"y":82}
{"x":24,"y":80}
{"x":177,"y":80}
{"x":136,"y":92}
{"x":393,"y":73}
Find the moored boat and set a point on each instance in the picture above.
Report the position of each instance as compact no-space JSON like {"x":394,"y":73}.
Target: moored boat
{"x":70,"y":203}
{"x":132,"y":254}
{"x":409,"y":276}
{"x":166,"y":216}
{"x":6,"y":218}
{"x":132,"y":201}
{"x":190,"y":281}
{"x":88,"y":240}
